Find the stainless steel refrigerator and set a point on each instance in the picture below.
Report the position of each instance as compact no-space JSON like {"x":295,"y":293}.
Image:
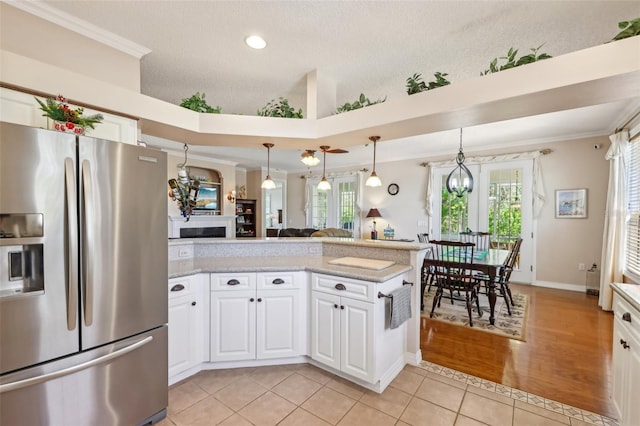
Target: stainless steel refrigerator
{"x":83,"y":265}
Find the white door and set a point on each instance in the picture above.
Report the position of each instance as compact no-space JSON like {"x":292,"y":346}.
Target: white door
{"x":325,"y":329}
{"x":501,"y":203}
{"x":633,"y":412}
{"x":233,"y":325}
{"x":356,"y":339}
{"x":278,"y":323}
{"x":179,"y":335}
{"x":620,"y":359}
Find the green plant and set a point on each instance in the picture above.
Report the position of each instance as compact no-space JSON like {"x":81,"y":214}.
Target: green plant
{"x":57,"y":109}
{"x":415,"y":83}
{"x":279,"y":109}
{"x":511,"y":61}
{"x":198,"y":104}
{"x":361,"y":102}
{"x":629,"y":29}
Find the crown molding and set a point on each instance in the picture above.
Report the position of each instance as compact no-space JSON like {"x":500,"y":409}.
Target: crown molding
{"x":72,"y":23}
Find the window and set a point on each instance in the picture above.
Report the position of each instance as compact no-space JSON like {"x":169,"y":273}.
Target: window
{"x":334,"y":208}
{"x":632,"y":252}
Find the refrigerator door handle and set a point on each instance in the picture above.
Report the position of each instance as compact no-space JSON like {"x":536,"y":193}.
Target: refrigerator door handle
{"x":72,"y":250}
{"x":67,"y":371}
{"x":87,"y":281}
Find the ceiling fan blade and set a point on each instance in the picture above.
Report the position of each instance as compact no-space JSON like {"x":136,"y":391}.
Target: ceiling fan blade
{"x":326,"y":148}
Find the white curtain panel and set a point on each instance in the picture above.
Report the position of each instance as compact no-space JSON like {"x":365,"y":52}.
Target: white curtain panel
{"x":612,"y":260}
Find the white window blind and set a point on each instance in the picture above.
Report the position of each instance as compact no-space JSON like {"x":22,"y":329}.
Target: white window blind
{"x":632,"y":255}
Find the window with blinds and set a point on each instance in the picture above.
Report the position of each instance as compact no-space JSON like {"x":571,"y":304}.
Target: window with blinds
{"x":632,"y":256}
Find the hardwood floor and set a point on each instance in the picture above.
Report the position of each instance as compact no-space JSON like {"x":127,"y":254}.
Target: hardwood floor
{"x":566,"y":356}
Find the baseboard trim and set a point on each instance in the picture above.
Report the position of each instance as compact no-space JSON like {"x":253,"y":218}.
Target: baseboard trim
{"x":560,"y":286}
{"x":413,"y":358}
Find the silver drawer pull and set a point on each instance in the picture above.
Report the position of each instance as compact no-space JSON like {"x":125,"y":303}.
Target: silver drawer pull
{"x":233,"y":282}
{"x":626,"y":317}
{"x":277,"y":281}
{"x":177,"y":287}
{"x":340,"y":286}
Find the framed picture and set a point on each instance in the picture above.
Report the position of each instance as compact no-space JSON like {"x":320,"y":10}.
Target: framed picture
{"x":571,"y":203}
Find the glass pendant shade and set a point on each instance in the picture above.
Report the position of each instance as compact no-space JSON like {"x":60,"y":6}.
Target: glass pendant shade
{"x":373,"y":180}
{"x":460,"y":180}
{"x":268,"y":183}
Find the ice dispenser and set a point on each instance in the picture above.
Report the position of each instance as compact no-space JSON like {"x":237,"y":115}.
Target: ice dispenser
{"x":21,"y":254}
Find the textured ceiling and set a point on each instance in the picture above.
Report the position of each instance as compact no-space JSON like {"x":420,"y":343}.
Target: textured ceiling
{"x":369,"y":47}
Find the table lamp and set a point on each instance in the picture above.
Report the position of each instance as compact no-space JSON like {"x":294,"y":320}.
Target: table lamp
{"x":374,"y":213}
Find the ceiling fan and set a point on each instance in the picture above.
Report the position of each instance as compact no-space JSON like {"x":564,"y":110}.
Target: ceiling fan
{"x":309,"y":155}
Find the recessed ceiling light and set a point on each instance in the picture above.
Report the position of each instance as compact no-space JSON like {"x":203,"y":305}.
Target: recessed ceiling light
{"x":255,"y":42}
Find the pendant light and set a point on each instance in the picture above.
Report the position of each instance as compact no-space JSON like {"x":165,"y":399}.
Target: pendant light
{"x":460,"y":180}
{"x":374,"y":180}
{"x":268,"y":183}
{"x":324,"y":184}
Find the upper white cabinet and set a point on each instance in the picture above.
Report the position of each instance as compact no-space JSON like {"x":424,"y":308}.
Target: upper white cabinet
{"x":350,"y":328}
{"x":187,"y":322}
{"x":22,"y":108}
{"x":626,"y":361}
{"x":257,"y":315}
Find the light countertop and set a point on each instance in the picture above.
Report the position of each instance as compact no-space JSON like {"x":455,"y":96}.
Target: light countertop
{"x":178,"y":268}
{"x":629,"y":292}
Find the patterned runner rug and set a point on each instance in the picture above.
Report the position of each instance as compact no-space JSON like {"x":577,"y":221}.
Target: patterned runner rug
{"x":509,"y":326}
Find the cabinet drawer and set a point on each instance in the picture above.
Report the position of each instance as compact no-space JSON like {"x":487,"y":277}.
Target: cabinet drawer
{"x":629,"y":316}
{"x":347,"y":287}
{"x":278,"y":280}
{"x":233,"y":282}
{"x":183,"y":286}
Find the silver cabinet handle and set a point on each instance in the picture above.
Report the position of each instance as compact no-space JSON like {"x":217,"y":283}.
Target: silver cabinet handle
{"x":277,"y":281}
{"x":233,"y":282}
{"x":72,"y":251}
{"x":66,"y":371}
{"x":87,"y":282}
{"x":340,"y":286}
{"x":177,"y":287}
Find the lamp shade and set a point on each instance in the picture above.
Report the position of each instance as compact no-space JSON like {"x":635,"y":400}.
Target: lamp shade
{"x":374,"y":213}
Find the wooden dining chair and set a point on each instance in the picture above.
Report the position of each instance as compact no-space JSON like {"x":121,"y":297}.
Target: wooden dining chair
{"x":482,"y":240}
{"x":423,"y":238}
{"x":504,"y":275}
{"x":454,"y":272}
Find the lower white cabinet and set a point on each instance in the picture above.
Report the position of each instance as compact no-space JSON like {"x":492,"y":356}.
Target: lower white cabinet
{"x":257,"y":316}
{"x":349,"y":328}
{"x":626,"y":361}
{"x":187,"y":322}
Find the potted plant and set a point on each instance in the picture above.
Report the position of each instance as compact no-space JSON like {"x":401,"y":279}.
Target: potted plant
{"x":629,"y":29}
{"x":511,"y":61}
{"x":361,"y":102}
{"x":198,"y":104}
{"x":279,"y":109}
{"x":68,"y":119}
{"x":415,"y":83}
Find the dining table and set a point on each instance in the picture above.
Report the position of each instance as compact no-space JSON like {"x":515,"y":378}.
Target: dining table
{"x":488,"y":262}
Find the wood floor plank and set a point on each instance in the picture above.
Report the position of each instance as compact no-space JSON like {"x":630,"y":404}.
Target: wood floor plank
{"x":566,"y":356}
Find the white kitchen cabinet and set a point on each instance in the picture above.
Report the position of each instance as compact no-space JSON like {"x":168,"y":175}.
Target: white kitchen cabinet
{"x":187,"y":322}
{"x":626,"y":361}
{"x":21,"y":108}
{"x":257,"y":316}
{"x":350,"y":328}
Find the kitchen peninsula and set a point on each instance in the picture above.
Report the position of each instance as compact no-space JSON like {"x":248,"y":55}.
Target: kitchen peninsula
{"x":239,"y":303}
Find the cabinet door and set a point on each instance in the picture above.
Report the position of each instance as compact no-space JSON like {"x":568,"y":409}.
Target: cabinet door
{"x":277,"y":323}
{"x":179,"y":335}
{"x":633,"y":388}
{"x":325,"y":329}
{"x":233,"y":325}
{"x":619,"y":365}
{"x":356,"y":339}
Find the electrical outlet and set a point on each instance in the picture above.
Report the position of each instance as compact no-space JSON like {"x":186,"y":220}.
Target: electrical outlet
{"x":183,"y":252}
{"x":580,"y":266}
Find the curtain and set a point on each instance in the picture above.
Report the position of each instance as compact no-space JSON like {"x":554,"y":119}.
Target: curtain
{"x":612,"y":261}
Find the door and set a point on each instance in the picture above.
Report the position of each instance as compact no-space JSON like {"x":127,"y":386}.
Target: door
{"x":501,"y":203}
{"x":277,"y":323}
{"x":620,"y":359}
{"x":233,"y":325}
{"x":356,"y":339}
{"x":123,"y":209}
{"x":633,"y":408}
{"x":38,"y":267}
{"x":325,"y":328}
{"x":186,"y":323}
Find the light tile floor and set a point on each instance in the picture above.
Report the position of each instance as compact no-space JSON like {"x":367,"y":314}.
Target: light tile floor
{"x":306,"y":395}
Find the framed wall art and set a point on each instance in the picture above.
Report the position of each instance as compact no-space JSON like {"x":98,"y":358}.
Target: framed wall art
{"x":571,"y":203}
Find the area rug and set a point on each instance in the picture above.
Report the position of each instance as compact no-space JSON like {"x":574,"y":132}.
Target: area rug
{"x":511,"y":326}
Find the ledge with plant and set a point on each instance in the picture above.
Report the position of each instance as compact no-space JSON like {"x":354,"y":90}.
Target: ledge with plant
{"x":197,"y":103}
{"x":361,"y":102}
{"x":68,"y":119}
{"x":279,"y":109}
{"x":415,"y":83}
